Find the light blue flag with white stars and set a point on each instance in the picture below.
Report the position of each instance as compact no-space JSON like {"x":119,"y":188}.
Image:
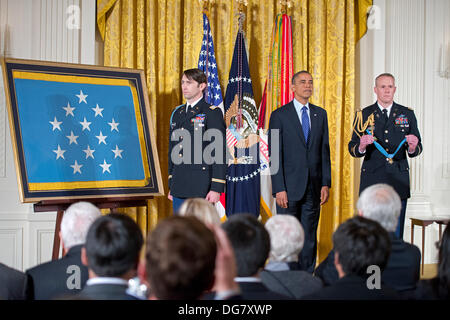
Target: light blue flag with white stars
{"x":87,"y":135}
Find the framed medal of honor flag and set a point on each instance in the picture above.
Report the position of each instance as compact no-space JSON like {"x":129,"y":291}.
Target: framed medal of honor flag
{"x":80,"y":131}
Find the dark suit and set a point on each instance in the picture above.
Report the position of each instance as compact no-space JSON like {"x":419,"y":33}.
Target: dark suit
{"x":352,"y":287}
{"x":376,"y":168}
{"x":14,"y":285}
{"x":105,"y":292}
{"x":49,"y":280}
{"x":197,"y":178}
{"x":401,"y":272}
{"x":291,"y":283}
{"x":304,"y":168}
{"x":258,"y":291}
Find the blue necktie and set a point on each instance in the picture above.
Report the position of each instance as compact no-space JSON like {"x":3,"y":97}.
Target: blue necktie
{"x":305,"y":124}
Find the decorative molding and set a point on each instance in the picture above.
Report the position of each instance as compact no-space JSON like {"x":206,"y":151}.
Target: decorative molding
{"x":44,"y":243}
{"x":12,"y":239}
{"x":405,"y":58}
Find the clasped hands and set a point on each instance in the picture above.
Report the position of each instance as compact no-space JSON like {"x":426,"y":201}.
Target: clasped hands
{"x":367,"y":139}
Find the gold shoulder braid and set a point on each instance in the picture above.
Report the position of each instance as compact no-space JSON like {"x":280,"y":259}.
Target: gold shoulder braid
{"x":359,"y":127}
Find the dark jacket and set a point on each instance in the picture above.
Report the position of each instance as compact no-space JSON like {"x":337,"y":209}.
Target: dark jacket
{"x":291,"y":283}
{"x":376,"y":168}
{"x":401,"y":272}
{"x":352,"y":287}
{"x":197,"y":175}
{"x":14,"y":285}
{"x":299,"y":162}
{"x":57,"y":278}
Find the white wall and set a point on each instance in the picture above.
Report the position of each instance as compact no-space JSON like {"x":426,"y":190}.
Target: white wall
{"x":406,"y":41}
{"x":38,"y":30}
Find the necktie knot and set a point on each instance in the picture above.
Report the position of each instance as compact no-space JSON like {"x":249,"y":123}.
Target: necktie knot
{"x":385,"y":116}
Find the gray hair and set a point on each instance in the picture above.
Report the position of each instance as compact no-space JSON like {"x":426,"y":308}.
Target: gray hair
{"x":76,"y":222}
{"x":386,"y":74}
{"x":286,"y":238}
{"x":380,"y":202}
{"x":201,"y":209}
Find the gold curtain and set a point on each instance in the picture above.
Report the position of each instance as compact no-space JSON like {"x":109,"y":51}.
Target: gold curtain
{"x":163,"y":37}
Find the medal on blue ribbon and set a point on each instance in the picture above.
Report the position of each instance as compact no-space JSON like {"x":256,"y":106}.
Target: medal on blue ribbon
{"x":389,"y":156}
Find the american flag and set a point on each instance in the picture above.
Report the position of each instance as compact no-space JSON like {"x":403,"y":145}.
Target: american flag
{"x":207,"y":63}
{"x":213,"y":93}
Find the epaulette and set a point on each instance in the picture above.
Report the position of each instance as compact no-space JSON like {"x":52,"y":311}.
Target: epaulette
{"x":411,"y":109}
{"x":213,"y":107}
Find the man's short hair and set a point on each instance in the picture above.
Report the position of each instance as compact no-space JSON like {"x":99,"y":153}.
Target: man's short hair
{"x":250,"y":241}
{"x":196,"y":75}
{"x":299,"y":73}
{"x":76,"y":222}
{"x":380,"y":202}
{"x":113,"y":245}
{"x":360,"y":243}
{"x":386,"y":74}
{"x":286,"y":237}
{"x":180,"y":258}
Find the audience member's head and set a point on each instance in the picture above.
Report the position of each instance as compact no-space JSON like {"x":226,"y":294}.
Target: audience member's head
{"x":200,"y":208}
{"x":250,"y":242}
{"x":380,"y":202}
{"x":76,"y":222}
{"x":359,"y":243}
{"x":180,"y":259}
{"x":112,"y":247}
{"x":444,"y":264}
{"x":286,"y":238}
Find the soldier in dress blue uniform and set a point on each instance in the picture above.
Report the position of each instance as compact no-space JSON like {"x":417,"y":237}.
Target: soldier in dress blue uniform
{"x":197,"y":164}
{"x":391,"y":124}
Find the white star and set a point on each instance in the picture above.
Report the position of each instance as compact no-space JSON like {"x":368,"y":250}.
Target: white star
{"x":82,"y":97}
{"x":85,"y":124}
{"x":232,"y":80}
{"x":114,"y":125}
{"x":117,"y":152}
{"x":216,"y":96}
{"x":98,"y":111}
{"x":89,"y":152}
{"x":59,"y":153}
{"x":72,"y":138}
{"x":69,"y":110}
{"x":218,"y":87}
{"x":101,"y":138}
{"x":105,"y":166}
{"x":76,"y":167}
{"x":56,"y":124}
{"x":213,"y":65}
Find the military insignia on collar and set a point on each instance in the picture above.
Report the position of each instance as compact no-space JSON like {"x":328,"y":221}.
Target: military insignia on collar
{"x":402,"y":121}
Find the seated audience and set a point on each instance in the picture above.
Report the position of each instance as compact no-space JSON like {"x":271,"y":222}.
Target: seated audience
{"x":66,"y":275}
{"x":381,"y":203}
{"x":200,"y":208}
{"x":359,"y":243}
{"x":14,"y":284}
{"x":281,"y":274}
{"x":111,"y":254}
{"x":251,"y":244}
{"x":438,"y":288}
{"x":184,"y":259}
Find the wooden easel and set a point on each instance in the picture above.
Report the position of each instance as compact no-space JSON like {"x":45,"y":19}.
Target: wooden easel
{"x":102,"y":203}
